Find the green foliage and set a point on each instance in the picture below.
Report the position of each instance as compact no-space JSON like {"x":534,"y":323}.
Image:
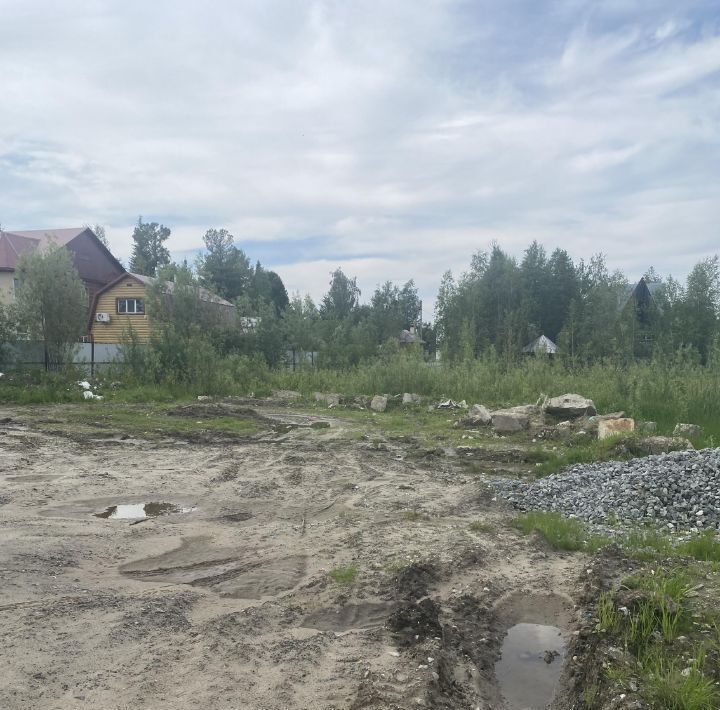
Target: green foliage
{"x":704,"y":547}
{"x":51,"y":302}
{"x":342,"y":298}
{"x":344,"y":575}
{"x":671,"y":687}
{"x":223,"y":268}
{"x":149,"y":251}
{"x":479,"y":526}
{"x":608,"y":616}
{"x":561,"y":533}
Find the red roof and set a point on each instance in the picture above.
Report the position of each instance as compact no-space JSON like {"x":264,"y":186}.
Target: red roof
{"x":14,"y":244}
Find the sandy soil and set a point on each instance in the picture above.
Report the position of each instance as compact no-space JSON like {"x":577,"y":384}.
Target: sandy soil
{"x":232,"y":605}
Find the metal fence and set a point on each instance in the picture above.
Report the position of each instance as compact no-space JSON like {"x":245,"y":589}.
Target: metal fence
{"x":94,"y":356}
{"x":89,"y":356}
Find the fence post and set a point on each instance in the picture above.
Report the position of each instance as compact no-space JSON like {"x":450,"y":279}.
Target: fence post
{"x":92,"y":358}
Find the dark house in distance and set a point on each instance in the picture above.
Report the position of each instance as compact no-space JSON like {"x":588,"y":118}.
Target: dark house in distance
{"x":638,"y":315}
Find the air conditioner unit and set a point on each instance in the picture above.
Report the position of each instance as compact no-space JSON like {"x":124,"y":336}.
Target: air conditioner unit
{"x":102,"y":317}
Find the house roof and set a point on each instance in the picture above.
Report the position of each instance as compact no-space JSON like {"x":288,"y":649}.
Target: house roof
{"x":205,"y":295}
{"x":627,"y":293}
{"x":407,"y":337}
{"x":542,"y":344}
{"x":16,"y":243}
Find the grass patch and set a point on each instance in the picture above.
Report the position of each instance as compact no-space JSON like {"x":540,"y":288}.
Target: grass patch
{"x":413,"y":516}
{"x":479,"y":526}
{"x":344,"y":575}
{"x":151,"y":422}
{"x":646,"y":617}
{"x":704,"y":547}
{"x":560,"y":532}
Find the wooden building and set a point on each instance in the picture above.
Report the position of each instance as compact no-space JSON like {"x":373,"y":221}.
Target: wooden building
{"x":121,"y":307}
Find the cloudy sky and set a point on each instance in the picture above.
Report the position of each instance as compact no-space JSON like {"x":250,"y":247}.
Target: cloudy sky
{"x":392,"y":139}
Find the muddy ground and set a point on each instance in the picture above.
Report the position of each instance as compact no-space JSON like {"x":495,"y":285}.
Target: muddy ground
{"x":307,"y":567}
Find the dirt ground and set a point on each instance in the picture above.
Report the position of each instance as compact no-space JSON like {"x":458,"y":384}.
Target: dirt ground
{"x":307,"y":568}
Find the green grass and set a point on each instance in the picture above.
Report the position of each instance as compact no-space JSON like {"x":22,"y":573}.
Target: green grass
{"x":664,"y":605}
{"x":151,"y":421}
{"x":560,"y":532}
{"x":671,"y":689}
{"x":608,"y":616}
{"x":704,"y":547}
{"x":667,"y":391}
{"x":344,"y":575}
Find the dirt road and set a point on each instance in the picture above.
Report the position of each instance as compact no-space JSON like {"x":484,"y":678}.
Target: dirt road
{"x":308,"y":568}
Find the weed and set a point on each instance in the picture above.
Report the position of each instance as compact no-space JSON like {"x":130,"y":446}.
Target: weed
{"x":705,"y":547}
{"x":344,"y":575}
{"x":672,"y":687}
{"x":608,"y":617}
{"x":646,"y":543}
{"x":590,"y":694}
{"x":561,"y":533}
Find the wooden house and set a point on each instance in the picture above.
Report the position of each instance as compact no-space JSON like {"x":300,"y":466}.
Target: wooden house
{"x":121,"y":307}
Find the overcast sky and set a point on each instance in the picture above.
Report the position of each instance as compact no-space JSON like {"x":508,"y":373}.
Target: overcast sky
{"x":392,"y":139}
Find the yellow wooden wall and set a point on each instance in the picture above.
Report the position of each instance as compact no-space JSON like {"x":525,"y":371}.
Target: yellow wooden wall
{"x":119,"y":324}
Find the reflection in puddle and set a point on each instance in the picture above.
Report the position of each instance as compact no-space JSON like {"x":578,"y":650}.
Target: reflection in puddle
{"x":138,"y":511}
{"x":530,"y":665}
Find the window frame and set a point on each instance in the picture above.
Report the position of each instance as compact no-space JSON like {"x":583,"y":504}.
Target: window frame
{"x":135,"y":301}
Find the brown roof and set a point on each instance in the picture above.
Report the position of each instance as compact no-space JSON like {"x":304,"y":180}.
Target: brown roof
{"x":14,"y":244}
{"x":205,"y":295}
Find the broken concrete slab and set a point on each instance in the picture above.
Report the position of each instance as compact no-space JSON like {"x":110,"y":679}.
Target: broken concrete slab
{"x":613,"y":427}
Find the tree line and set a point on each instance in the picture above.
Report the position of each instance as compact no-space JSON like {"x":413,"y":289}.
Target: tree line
{"x":504,"y":303}
{"x":499,"y":304}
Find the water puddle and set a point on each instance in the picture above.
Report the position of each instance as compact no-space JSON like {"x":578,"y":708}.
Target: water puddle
{"x":140,"y":511}
{"x":530,"y":665}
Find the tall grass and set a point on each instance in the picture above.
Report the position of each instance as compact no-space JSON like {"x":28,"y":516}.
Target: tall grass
{"x":665,"y":391}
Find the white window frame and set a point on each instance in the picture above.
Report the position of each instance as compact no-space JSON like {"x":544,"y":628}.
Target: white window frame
{"x":130,"y":301}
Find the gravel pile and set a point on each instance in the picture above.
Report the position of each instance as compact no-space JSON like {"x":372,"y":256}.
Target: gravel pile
{"x":680,"y":489}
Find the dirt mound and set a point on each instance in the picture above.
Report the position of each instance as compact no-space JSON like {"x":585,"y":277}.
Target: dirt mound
{"x":414,"y":581}
{"x":414,"y":623}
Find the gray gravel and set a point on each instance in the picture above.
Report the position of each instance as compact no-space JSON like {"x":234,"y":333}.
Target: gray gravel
{"x":680,"y":489}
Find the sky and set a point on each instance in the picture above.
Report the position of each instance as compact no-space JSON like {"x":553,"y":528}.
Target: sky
{"x":391,"y":139}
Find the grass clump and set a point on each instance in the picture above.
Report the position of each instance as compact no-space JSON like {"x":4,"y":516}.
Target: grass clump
{"x":480,"y":526}
{"x":413,"y":516}
{"x":609,"y":618}
{"x":560,"y":532}
{"x":676,"y":686}
{"x":344,"y":575}
{"x":704,"y":547}
{"x":647,"y":617}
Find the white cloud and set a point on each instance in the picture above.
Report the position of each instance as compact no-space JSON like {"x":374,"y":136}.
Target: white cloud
{"x":403,"y":136}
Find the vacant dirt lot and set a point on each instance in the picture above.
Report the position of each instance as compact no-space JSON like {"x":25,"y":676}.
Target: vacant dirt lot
{"x":301,"y":567}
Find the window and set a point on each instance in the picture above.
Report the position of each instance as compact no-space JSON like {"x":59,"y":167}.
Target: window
{"x":131,"y":305}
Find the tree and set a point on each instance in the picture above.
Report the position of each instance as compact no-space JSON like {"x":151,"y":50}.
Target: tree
{"x":99,"y":231}
{"x":223,"y":268}
{"x":342,"y":298}
{"x":149,"y":250}
{"x":701,"y":305}
{"x":52,"y":303}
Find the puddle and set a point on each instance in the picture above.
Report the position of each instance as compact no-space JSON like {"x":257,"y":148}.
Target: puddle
{"x":530,"y":665}
{"x":139,"y":511}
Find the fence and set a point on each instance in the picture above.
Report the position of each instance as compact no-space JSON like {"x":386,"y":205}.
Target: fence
{"x":93,"y":356}
{"x":89,"y":356}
